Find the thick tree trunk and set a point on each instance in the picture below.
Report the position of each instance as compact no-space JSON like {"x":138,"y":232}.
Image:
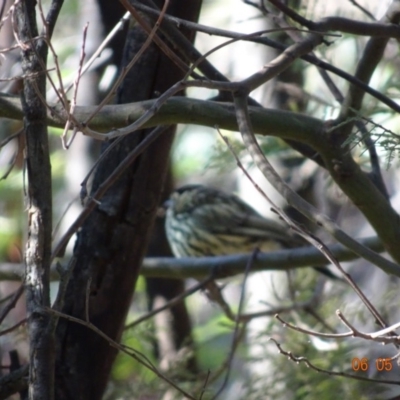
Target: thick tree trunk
{"x":113,"y":240}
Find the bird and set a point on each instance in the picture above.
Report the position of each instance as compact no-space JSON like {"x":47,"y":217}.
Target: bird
{"x":202,"y":221}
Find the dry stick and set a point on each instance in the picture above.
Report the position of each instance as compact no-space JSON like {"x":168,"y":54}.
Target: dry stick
{"x":171,"y":302}
{"x":7,"y":49}
{"x":226,"y":364}
{"x":203,"y":389}
{"x":236,"y":333}
{"x":137,"y":355}
{"x":359,"y":377}
{"x":14,"y":327}
{"x":392,"y":338}
{"x":84,"y":192}
{"x":278,"y":310}
{"x":9,"y":296}
{"x":52,"y":16}
{"x":64,"y":213}
{"x":11,"y":304}
{"x":178,"y":40}
{"x":11,"y":163}
{"x":11,"y":137}
{"x":293,"y":14}
{"x":314,"y":333}
{"x":386,"y":330}
{"x":20,"y":44}
{"x":377,"y":336}
{"x":46,"y":34}
{"x":364,"y":10}
{"x":294,"y":199}
{"x":283,"y":61}
{"x":66,"y":144}
{"x":214,"y":293}
{"x":6,"y":16}
{"x":222,"y":368}
{"x":94,"y":200}
{"x":306,"y":306}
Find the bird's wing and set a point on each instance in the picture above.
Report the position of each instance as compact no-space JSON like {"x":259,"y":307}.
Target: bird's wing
{"x":236,"y":218}
{"x":269,"y":229}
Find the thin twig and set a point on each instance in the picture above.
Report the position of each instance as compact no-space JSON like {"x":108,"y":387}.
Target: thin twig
{"x":67,"y":144}
{"x":14,"y":327}
{"x":378,"y":337}
{"x":363,"y":9}
{"x":237,"y":333}
{"x":304,"y":360}
{"x":102,"y":189}
{"x":171,"y":302}
{"x":11,"y":304}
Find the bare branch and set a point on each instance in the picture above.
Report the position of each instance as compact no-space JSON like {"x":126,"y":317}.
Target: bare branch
{"x":38,"y":249}
{"x":11,"y":304}
{"x":226,"y":266}
{"x":304,"y":360}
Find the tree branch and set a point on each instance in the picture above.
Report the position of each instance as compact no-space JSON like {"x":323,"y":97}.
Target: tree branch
{"x":38,"y":248}
{"x":225,"y":266}
{"x":370,"y":59}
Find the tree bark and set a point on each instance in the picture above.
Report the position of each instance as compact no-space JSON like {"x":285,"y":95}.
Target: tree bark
{"x":38,"y":246}
{"x":113,"y":241}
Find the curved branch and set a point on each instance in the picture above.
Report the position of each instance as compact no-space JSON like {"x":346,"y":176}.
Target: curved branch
{"x":350,"y":178}
{"x":265,"y":121}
